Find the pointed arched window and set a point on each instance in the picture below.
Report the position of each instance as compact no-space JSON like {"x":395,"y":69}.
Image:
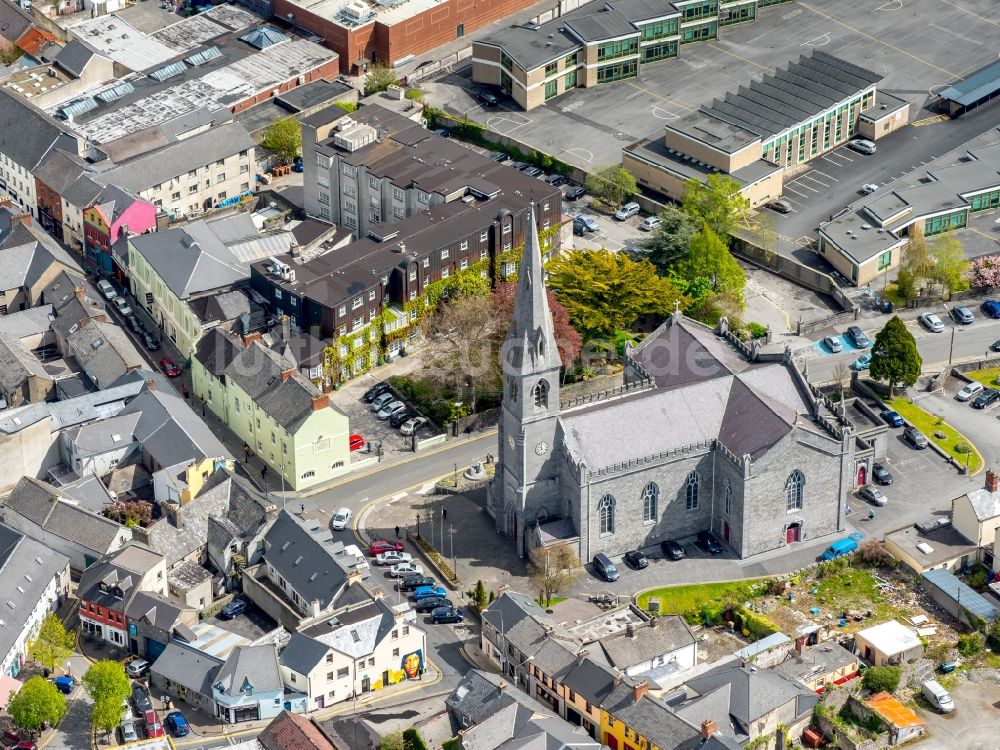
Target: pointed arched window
{"x":540,"y":394}
{"x":794,"y":488}
{"x":649,"y":497}
{"x":606,"y":511}
{"x":692,"y":490}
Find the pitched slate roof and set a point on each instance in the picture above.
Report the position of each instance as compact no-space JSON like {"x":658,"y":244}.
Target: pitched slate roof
{"x":104,"y":352}
{"x":14,"y":22}
{"x":26,"y":253}
{"x":650,"y":718}
{"x":656,"y":638}
{"x":73,"y":58}
{"x":303,"y":653}
{"x":288,"y":544}
{"x":18,"y":364}
{"x":187,"y":666}
{"x":592,"y":681}
{"x":255,"y":667}
{"x":157,"y":610}
{"x":510,"y":608}
{"x":291,"y":731}
{"x":27,"y":133}
{"x":170,"y":431}
{"x":215,"y":350}
{"x":74,"y":312}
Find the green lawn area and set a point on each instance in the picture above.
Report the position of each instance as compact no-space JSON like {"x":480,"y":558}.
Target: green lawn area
{"x":926,"y":422}
{"x":555,"y":600}
{"x":681,"y":599}
{"x":851,"y":589}
{"x":986,"y":377}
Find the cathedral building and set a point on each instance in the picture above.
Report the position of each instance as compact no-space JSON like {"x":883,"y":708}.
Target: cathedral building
{"x":703,"y":433}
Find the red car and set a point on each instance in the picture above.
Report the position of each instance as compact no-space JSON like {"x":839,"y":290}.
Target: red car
{"x":356,"y":442}
{"x":169,"y":368}
{"x":380,"y":546}
{"x":153,"y":726}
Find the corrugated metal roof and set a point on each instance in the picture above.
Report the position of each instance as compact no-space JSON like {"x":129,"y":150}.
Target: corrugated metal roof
{"x":966,"y":598}
{"x":979,"y":85}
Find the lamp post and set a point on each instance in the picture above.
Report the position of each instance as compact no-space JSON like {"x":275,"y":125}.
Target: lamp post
{"x":418,"y":525}
{"x":454,"y":560}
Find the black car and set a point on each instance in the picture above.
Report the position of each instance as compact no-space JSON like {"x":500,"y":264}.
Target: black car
{"x":134,"y":324}
{"x":915,"y":437}
{"x":575,"y":193}
{"x":557,"y":180}
{"x":432,"y":603}
{"x":636,"y":559}
{"x":375,"y":391}
{"x":488,"y":98}
{"x":500,"y":157}
{"x":709,"y":542}
{"x":141,"y":700}
{"x":881,"y":474}
{"x":672,"y":550}
{"x":995,"y":346}
{"x":150,"y":341}
{"x":858,"y":337}
{"x":397,"y":419}
{"x":446,"y":614}
{"x":413,"y":582}
{"x":987,"y":397}
{"x":234,"y":609}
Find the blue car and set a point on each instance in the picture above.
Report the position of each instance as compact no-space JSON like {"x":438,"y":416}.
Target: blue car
{"x":65,"y":684}
{"x":862,"y":363}
{"x":178,"y":724}
{"x":235,"y":608}
{"x":425,"y":592}
{"x":446,"y":614}
{"x":991,"y":308}
{"x":892,"y":418}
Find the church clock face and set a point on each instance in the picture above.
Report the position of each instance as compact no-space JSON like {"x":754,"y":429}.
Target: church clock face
{"x":541,"y":448}
{"x":510,"y":441}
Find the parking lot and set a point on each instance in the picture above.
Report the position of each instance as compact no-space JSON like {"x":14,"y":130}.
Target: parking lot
{"x":981,"y":426}
{"x":252,"y":624}
{"x":975,"y":723}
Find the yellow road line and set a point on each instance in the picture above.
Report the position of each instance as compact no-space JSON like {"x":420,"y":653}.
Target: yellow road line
{"x":972,"y":229}
{"x":929,"y":120}
{"x":876,"y":39}
{"x":966,"y":10}
{"x":733,"y":54}
{"x":658,"y":96}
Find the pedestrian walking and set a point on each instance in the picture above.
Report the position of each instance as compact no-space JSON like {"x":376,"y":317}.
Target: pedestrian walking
{"x":444,"y":514}
{"x":871,"y":515}
{"x":397,"y":532}
{"x":302,"y":508}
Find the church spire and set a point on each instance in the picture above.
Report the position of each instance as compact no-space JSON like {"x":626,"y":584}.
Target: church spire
{"x":531,"y":342}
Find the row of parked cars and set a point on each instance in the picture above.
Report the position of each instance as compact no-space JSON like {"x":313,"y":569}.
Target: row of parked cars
{"x":638,"y":560}
{"x":393,"y":410}
{"x":428,"y":597}
{"x":119,"y":302}
{"x":146,"y":718}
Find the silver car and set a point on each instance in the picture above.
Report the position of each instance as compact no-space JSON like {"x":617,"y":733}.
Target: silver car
{"x":833,"y":344}
{"x":389,"y":409}
{"x":873,"y":495}
{"x":931,"y":322}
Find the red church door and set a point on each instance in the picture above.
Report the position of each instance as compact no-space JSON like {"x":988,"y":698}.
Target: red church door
{"x":792,"y":533}
{"x":862,"y":475}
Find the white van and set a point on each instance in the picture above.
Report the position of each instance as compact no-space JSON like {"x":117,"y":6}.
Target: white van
{"x":970,"y":391}
{"x":937,"y":696}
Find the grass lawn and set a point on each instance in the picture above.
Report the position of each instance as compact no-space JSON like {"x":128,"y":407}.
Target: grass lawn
{"x":681,"y":599}
{"x":986,"y":377}
{"x":554,"y":602}
{"x":926,"y":422}
{"x":852,"y":589}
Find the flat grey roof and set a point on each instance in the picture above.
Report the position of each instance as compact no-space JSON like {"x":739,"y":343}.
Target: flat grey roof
{"x":706,"y":127}
{"x":534,"y":46}
{"x":946,"y":544}
{"x":639,"y":11}
{"x":608,"y":24}
{"x":960,"y":592}
{"x":655,"y":151}
{"x":981,"y":84}
{"x":886,"y":205}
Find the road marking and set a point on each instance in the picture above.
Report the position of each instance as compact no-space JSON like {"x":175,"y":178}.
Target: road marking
{"x":817,"y":180}
{"x":789,"y":187}
{"x":663,"y":114}
{"x":825,"y":175}
{"x":964,"y":10}
{"x":661,"y":98}
{"x":877,"y":40}
{"x":579,"y":152}
{"x":891,"y":5}
{"x":733,"y":54}
{"x":820,"y":41}
{"x":929,"y":120}
{"x":803,"y":185}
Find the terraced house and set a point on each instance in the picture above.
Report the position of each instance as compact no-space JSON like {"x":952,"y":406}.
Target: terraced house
{"x":535,"y":63}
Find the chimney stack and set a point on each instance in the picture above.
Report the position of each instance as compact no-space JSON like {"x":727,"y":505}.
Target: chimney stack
{"x":320,"y":402}
{"x":581,"y":655}
{"x":151,"y":384}
{"x":21,"y":218}
{"x":630,"y":630}
{"x":286,"y":374}
{"x":249,"y":338}
{"x":708,"y":728}
{"x":639,"y":690}
{"x":992,"y":481}
{"x":286,"y":327}
{"x":78,"y":293}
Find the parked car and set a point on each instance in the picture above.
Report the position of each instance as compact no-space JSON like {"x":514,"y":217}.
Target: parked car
{"x":391,"y":557}
{"x":962,"y":315}
{"x":650,"y":223}
{"x":134,"y":324}
{"x":389,"y":409}
{"x":863,"y":362}
{"x":136,"y":668}
{"x":414,"y":582}
{"x":140,"y":699}
{"x":107,"y":289}
{"x":432,"y":603}
{"x":780,"y":205}
{"x":841,"y":547}
{"x":629,"y":209}
{"x":488,"y":98}
{"x":858,"y":337}
{"x":446,"y":615}
{"x":971,"y":390}
{"x":153,"y":726}
{"x":381,"y":400}
{"x":442,"y":132}
{"x":892,"y":418}
{"x":128,"y":732}
{"x":589,"y":223}
{"x":413,"y":425}
{"x":869,"y":188}
{"x":915,"y":437}
{"x":500,"y":157}
{"x":557,"y":180}
{"x":299,"y":165}
{"x":991,"y":308}
{"x":375,"y":391}
{"x":881,"y":474}
{"x":403,"y":569}
{"x":636,"y":559}
{"x":532,"y":171}
{"x":604,"y":568}
{"x":234,"y":609}
{"x":340,"y":519}
{"x":862,"y":146}
{"x":382,"y":545}
{"x":150,"y":341}
{"x":122,"y":306}
{"x":65,"y":684}
{"x":873,"y":495}
{"x":169,"y":368}
{"x":672,"y":550}
{"x":995,"y":346}
{"x":931,"y":322}
{"x":178,"y":724}
{"x":518,"y":166}
{"x":575,"y":193}
{"x":428,"y":592}
{"x":988,"y":397}
{"x":833,"y":344}
{"x":403,"y":415}
{"x":355,"y":442}
{"x":707,"y":540}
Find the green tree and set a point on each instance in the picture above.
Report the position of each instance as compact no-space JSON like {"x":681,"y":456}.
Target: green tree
{"x":709,"y":258}
{"x":612,"y":184}
{"x":106,"y":715}
{"x":877,"y":679}
{"x":554,"y":569}
{"x":894,"y":355}
{"x":951,"y":268}
{"x":716,"y":202}
{"x":37,"y":703}
{"x":53,"y":644}
{"x":669,"y":242}
{"x":605,"y":292}
{"x":106,"y":680}
{"x":393,"y":741}
{"x":284,"y":138}
{"x":916,"y":265}
{"x":379,"y":78}
{"x":478,"y":596}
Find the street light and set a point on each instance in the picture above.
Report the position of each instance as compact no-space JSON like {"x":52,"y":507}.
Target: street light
{"x":454,"y":560}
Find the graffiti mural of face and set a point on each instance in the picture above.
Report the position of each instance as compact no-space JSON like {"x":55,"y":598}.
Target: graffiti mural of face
{"x":412,"y":663}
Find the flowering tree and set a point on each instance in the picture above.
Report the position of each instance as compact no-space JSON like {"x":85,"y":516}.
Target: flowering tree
{"x":985,"y":271}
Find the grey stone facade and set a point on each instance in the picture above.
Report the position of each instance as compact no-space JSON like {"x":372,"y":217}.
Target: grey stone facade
{"x":771,"y":461}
